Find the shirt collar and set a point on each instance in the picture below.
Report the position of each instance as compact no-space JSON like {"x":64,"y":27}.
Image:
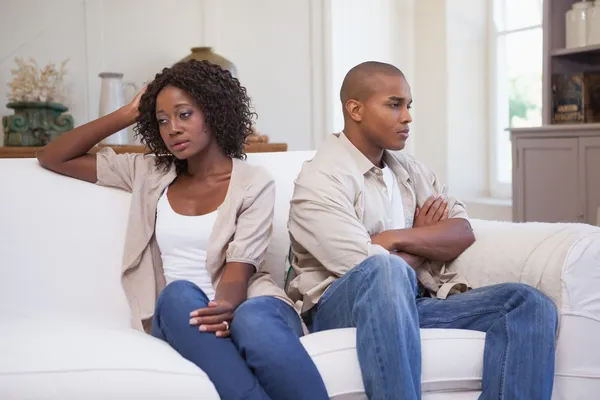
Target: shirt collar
{"x":365,"y":165}
{"x":391,"y":160}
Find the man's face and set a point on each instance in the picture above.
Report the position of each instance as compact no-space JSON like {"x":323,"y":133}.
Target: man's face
{"x":386,"y":112}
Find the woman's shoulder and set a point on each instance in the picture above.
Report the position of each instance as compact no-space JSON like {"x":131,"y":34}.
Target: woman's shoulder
{"x":123,"y":170}
{"x":252,"y":175}
{"x":141,"y":160}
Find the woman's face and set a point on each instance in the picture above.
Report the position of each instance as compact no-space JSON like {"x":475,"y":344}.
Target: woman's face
{"x":181,"y":123}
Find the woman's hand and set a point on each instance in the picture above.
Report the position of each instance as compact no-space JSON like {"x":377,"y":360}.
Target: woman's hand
{"x":135,"y":103}
{"x":230,"y":293}
{"x":214,"y":318}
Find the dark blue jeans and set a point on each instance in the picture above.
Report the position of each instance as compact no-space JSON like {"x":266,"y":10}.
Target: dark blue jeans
{"x":379,"y":298}
{"x":270,"y":363}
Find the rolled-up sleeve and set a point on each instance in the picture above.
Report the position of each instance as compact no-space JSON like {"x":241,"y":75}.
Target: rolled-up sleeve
{"x":324,"y":223}
{"x":254,"y":224}
{"x":119,"y":170}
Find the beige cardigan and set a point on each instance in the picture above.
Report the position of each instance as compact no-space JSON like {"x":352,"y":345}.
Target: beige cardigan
{"x":241,"y":233}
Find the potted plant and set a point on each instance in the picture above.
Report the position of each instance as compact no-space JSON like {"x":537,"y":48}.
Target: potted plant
{"x":37,"y":96}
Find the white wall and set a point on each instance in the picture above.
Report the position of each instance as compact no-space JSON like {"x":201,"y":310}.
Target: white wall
{"x":468,"y":116}
{"x":450,"y":92}
{"x":272,"y":43}
{"x":429,"y":86}
{"x":291,"y":55}
{"x":138,"y":38}
{"x":49,"y":32}
{"x":367,"y":31}
{"x":360,"y":31}
{"x":451,"y":100}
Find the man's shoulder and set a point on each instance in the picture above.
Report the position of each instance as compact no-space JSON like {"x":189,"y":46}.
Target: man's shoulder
{"x":414,"y":167}
{"x":330,"y":164}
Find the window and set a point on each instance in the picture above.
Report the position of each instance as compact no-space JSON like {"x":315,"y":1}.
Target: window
{"x":516,"y":60}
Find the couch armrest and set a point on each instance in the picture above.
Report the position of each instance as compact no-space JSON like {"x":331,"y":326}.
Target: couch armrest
{"x":562,"y":260}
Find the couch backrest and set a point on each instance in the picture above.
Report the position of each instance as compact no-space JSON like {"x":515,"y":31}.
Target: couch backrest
{"x":61,"y":241}
{"x":61,"y":244}
{"x":284,"y":167}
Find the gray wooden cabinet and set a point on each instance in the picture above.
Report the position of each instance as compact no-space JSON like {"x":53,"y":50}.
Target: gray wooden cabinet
{"x":556,"y":174}
{"x":556,"y":167}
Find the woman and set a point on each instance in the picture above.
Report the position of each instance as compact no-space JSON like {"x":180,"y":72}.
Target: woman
{"x":200,"y":222}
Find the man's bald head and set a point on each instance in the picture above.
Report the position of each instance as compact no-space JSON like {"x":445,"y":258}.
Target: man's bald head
{"x":376,"y":100}
{"x":362,"y":80}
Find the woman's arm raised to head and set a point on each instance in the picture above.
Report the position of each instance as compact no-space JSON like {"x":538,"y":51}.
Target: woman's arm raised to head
{"x":68,"y":153}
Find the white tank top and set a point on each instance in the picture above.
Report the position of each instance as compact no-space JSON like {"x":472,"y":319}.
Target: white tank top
{"x":183,"y":241}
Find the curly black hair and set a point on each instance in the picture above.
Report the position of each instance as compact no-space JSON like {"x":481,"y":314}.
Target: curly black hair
{"x":220,"y":96}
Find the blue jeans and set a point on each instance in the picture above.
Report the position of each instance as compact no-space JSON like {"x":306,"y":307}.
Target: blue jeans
{"x":266,"y":331}
{"x":379,"y":298}
{"x":235,"y":378}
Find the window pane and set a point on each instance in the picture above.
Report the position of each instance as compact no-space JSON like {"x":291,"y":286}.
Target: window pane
{"x":519,"y":89}
{"x":517,"y":14}
{"x":524,"y":72}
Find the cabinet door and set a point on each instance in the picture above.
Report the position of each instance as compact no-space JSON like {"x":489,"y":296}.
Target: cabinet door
{"x":547,"y":180}
{"x":589,"y":178}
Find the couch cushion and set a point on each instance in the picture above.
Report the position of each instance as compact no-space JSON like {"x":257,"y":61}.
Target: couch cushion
{"x":70,"y":362}
{"x":460,"y":369}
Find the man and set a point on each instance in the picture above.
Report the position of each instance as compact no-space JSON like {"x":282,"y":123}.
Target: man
{"x":371,"y":231}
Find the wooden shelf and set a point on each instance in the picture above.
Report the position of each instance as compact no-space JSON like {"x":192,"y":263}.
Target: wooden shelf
{"x":29,"y":152}
{"x":559,"y":127}
{"x":577,"y":51}
{"x":556,"y":131}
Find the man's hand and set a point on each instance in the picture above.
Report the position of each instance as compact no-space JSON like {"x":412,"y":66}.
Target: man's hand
{"x":385,"y":239}
{"x":434,"y":210}
{"x":214,"y":318}
{"x":412,"y":260}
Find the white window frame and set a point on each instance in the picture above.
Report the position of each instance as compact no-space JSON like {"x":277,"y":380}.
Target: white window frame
{"x":497,"y":189}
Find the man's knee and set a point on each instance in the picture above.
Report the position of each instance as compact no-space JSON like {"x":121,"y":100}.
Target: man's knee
{"x":389,"y":268}
{"x":387,"y":277}
{"x":535,"y":300}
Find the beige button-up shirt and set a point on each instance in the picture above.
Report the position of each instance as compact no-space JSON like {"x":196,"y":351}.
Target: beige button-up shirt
{"x":340,"y":201}
{"x":241,"y":232}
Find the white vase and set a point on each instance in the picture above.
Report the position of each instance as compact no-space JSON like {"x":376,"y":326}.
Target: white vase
{"x":594,"y":24}
{"x":576,"y":24}
{"x":112,"y":97}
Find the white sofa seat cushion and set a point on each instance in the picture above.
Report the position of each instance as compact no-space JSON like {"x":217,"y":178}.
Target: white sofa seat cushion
{"x":71,"y":362}
{"x":452,"y":360}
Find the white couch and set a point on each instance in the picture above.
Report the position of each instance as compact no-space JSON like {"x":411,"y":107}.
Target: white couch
{"x":65,"y":322}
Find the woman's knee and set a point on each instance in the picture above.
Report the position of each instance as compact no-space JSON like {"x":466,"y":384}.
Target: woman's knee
{"x":249,"y":314}
{"x":259,"y":319}
{"x":180,"y":293}
{"x":253,"y":315}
